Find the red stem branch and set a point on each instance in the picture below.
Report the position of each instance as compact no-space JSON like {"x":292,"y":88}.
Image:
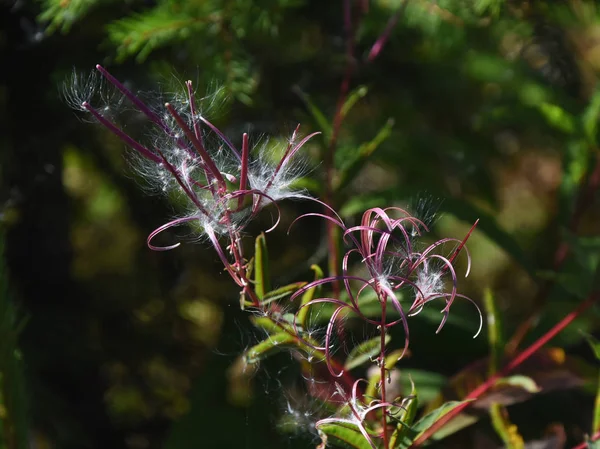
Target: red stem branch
{"x":584,"y":444}
{"x":515,"y":362}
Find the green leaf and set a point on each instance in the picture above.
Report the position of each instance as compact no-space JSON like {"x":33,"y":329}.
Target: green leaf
{"x":506,"y":430}
{"x":428,"y":383}
{"x":404,"y":433}
{"x":595,"y":345}
{"x":596,"y":416}
{"x":308,"y":296}
{"x":353,"y":97}
{"x":589,"y":119}
{"x":524,"y":382}
{"x":272,"y":345}
{"x":281,"y":292}
{"x":352,"y":167}
{"x":267,"y":324}
{"x":557,"y":117}
{"x":342,"y":434}
{"x":494,"y":325}
{"x":364,"y":351}
{"x":261,"y":267}
{"x":453,"y":426}
{"x":316,"y":113}
{"x":576,"y":162}
{"x":492,"y":7}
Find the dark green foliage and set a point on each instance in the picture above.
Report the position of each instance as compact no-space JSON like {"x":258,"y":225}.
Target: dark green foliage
{"x":14,"y":401}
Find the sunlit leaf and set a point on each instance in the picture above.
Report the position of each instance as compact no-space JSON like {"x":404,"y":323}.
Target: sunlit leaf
{"x":261,"y":267}
{"x":590,"y":118}
{"x":317,"y":115}
{"x":576,"y":161}
{"x":364,"y":352}
{"x":273,"y":344}
{"x":557,"y":117}
{"x":281,"y":292}
{"x":495,"y":334}
{"x":523,"y":382}
{"x":403,"y":432}
{"x":431,"y":418}
{"x":308,"y":296}
{"x":342,"y":434}
{"x":506,"y":430}
{"x":353,"y":98}
{"x":594,"y":345}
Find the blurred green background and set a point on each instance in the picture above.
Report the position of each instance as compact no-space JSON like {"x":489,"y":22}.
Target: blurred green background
{"x":479,"y":109}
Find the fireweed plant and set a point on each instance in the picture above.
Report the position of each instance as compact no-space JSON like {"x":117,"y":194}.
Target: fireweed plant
{"x":223,"y":188}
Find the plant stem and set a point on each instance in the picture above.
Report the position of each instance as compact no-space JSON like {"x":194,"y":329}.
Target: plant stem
{"x":338,"y":118}
{"x":584,"y":444}
{"x":515,"y":362}
{"x":386,"y":442}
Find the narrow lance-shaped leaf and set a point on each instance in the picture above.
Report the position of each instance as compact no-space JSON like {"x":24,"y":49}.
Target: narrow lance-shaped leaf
{"x":576,"y":162}
{"x":589,"y":119}
{"x":261,"y":267}
{"x":273,"y":344}
{"x":494,"y":326}
{"x":506,"y":430}
{"x":524,"y":382}
{"x":364,"y":351}
{"x":308,"y":296}
{"x":557,"y":117}
{"x":281,"y":292}
{"x":404,"y":434}
{"x":353,"y":97}
{"x":595,"y":345}
{"x":347,"y":173}
{"x":272,"y":326}
{"x":342,"y":434}
{"x":596,"y":418}
{"x":428,"y":420}
{"x":317,"y":115}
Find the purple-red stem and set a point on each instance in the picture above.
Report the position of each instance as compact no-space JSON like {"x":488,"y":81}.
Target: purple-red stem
{"x":121,"y":135}
{"x":244,"y":166}
{"x":338,"y":118}
{"x":386,"y":442}
{"x":206,"y":159}
{"x":515,"y":362}
{"x":382,"y":40}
